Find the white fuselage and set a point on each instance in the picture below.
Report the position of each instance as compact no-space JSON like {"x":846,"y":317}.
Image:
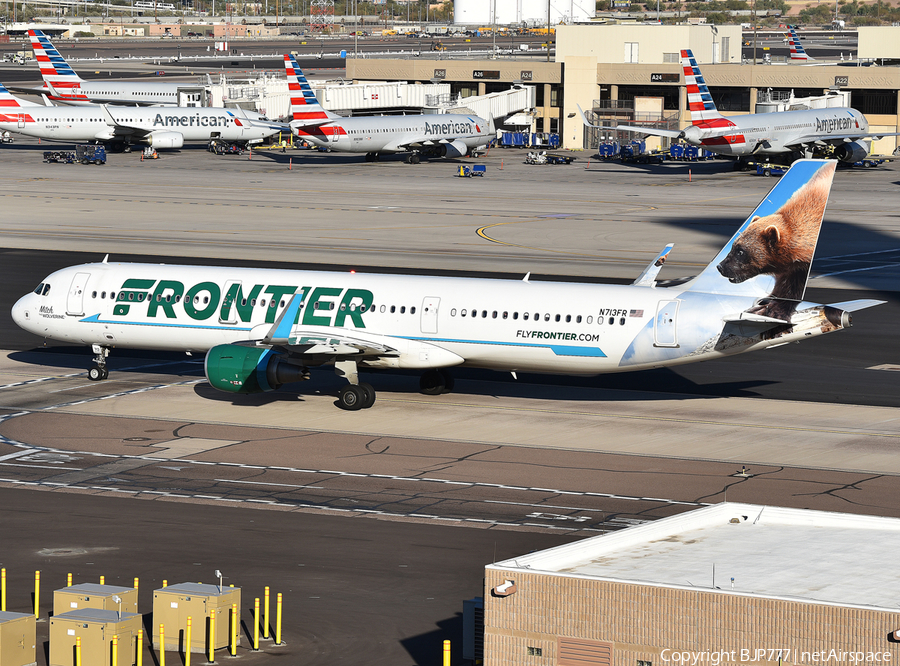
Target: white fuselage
{"x":564,"y":328}
{"x":779,"y":132}
{"x":88,"y":123}
{"x":390,"y":134}
{"x":86,"y":93}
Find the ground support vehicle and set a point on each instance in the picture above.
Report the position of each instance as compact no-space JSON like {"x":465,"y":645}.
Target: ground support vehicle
{"x":475,"y":170}
{"x":91,"y":153}
{"x":59,"y":156}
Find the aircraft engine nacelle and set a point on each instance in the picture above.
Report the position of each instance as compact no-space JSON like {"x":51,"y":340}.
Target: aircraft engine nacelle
{"x":166,"y":139}
{"x":853,"y":151}
{"x":455,"y":148}
{"x":239,"y":369}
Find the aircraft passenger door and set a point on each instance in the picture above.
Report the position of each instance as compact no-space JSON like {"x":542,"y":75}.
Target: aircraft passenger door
{"x":75,"y":301}
{"x":228,"y":311}
{"x":430,"y":314}
{"x":664,"y":334}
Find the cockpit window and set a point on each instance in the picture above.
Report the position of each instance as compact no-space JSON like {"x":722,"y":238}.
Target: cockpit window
{"x":39,"y":289}
{"x":46,"y":289}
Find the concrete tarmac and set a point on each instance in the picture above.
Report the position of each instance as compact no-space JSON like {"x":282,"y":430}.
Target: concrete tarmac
{"x":274,"y":487}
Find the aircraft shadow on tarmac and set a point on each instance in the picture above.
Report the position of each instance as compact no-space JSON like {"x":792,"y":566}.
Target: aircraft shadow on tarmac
{"x":657,"y":384}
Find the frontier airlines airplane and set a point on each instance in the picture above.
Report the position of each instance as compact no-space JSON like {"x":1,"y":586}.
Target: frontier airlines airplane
{"x":842,"y":130}
{"x":262,"y":328}
{"x":439,"y":135}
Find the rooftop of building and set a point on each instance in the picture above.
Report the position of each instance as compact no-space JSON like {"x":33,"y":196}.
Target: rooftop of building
{"x":795,"y":554}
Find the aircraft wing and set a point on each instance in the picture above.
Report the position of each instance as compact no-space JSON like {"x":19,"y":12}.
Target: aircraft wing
{"x":672,"y":134}
{"x":121,"y":130}
{"x":840,"y":138}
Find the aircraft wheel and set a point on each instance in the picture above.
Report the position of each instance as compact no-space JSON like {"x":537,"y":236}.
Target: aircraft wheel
{"x":414,"y":159}
{"x":369,"y":393}
{"x":351,"y":397}
{"x":449,"y":382}
{"x":97,"y":373}
{"x":432,"y":382}
{"x":126,"y":148}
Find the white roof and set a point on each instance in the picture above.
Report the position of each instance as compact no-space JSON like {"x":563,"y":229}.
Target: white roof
{"x":796,"y":554}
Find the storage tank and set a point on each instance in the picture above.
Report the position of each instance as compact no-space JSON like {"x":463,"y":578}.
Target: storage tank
{"x":533,"y":12}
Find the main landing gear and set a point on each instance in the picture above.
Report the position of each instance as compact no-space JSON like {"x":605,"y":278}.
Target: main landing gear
{"x":99,"y":371}
{"x":357,"y":395}
{"x":372,"y":157}
{"x":414,"y":158}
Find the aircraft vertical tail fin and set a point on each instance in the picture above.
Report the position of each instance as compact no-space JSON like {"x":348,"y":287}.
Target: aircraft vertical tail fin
{"x":305,"y":108}
{"x":771,"y":254}
{"x":9,"y":102}
{"x":798,"y":53}
{"x":700,"y":102}
{"x":54,"y":68}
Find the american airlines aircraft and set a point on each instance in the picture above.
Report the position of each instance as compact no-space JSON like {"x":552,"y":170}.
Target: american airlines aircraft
{"x":261,"y":328}
{"x":803,"y":133}
{"x":440,"y":135}
{"x":162,"y":127}
{"x":798,"y":53}
{"x":64,"y":86}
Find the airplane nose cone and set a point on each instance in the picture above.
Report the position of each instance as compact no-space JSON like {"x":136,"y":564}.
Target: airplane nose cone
{"x":22,"y":313}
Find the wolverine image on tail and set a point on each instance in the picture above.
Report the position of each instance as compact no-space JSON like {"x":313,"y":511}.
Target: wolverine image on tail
{"x":782,"y":245}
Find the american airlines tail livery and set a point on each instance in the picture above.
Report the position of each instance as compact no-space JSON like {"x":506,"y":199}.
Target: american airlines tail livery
{"x":432,"y":135}
{"x":63,"y":86}
{"x":262,"y":328}
{"x":160,"y":127}
{"x":841,"y":131}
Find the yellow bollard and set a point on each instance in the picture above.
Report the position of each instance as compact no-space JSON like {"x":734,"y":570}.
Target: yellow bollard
{"x":234,"y":629}
{"x":78,"y":651}
{"x":266,"y":615}
{"x":140,"y":648}
{"x":446,"y":653}
{"x":161,"y":648}
{"x":278,"y":620}
{"x":187,"y":644}
{"x":37,"y":594}
{"x":136,"y":581}
{"x":256,"y":624}
{"x":68,"y":580}
{"x":3,"y":589}
{"x":212,"y":635}
{"x":103,"y":580}
{"x":165,"y":583}
{"x":115,"y":654}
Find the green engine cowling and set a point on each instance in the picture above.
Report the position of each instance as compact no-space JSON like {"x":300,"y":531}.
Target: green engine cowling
{"x":239,"y":369}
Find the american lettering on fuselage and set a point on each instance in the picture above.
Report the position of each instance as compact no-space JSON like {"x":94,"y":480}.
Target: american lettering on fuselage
{"x":195,"y":120}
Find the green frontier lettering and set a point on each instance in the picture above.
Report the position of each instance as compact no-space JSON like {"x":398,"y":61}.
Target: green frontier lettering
{"x":352,"y":305}
{"x":160,"y":299}
{"x":243,"y":304}
{"x":310,"y":318}
{"x":193,"y":299}
{"x":277,"y":292}
{"x":132,"y":290}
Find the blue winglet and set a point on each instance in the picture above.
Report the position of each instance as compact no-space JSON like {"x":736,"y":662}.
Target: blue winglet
{"x":281,"y":329}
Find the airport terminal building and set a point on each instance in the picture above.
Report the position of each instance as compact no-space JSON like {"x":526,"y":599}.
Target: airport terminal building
{"x":632,"y":73}
{"x":727,"y":584}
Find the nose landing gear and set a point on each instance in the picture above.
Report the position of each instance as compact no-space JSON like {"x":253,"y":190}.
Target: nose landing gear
{"x":99,"y":371}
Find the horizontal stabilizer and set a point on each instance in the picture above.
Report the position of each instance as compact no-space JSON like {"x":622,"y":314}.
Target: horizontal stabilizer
{"x":648,"y":277}
{"x":747,"y":317}
{"x":853,"y":306}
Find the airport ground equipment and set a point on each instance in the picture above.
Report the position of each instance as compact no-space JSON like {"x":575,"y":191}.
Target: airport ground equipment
{"x":768,"y":169}
{"x":475,"y":170}
{"x":536,"y":157}
{"x":220,"y":147}
{"x":173,"y":605}
{"x":514,"y":139}
{"x":59,"y":156}
{"x":608,"y":150}
{"x":6,"y":137}
{"x":17,"y":639}
{"x":92,"y":595}
{"x":556,"y":158}
{"x":96,"y":628}
{"x":90,"y":153}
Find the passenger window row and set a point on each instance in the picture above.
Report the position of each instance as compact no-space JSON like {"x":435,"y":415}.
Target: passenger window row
{"x":537,"y":316}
